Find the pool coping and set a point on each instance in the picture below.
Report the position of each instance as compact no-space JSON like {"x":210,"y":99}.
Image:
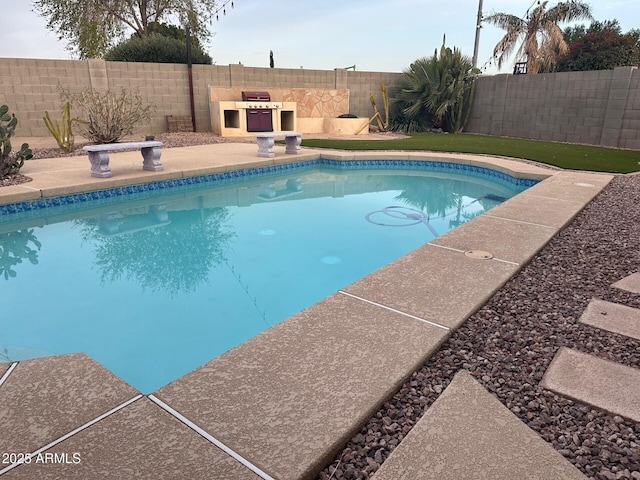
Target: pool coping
{"x":69,"y":175}
{"x":335,"y":413}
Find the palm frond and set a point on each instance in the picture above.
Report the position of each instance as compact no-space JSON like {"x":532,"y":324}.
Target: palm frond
{"x":432,"y":87}
{"x":542,"y":39}
{"x":569,"y":11}
{"x":505,"y":21}
{"x":505,"y":47}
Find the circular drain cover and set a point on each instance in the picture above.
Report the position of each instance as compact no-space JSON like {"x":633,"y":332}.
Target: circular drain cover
{"x":267,"y":231}
{"x":580,"y":184}
{"x":331,"y":260}
{"x":478,"y":255}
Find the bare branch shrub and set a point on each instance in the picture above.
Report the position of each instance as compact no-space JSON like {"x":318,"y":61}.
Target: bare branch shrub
{"x":107,"y":117}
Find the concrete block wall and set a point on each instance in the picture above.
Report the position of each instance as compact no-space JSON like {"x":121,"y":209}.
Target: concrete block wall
{"x":596,"y":107}
{"x":284,"y":77}
{"x":599,"y":107}
{"x":362,"y":84}
{"x":158,"y":84}
{"x":203,"y":76}
{"x":29,"y":86}
{"x":630,"y":127}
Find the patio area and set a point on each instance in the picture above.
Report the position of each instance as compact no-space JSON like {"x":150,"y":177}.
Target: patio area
{"x":285,"y":403}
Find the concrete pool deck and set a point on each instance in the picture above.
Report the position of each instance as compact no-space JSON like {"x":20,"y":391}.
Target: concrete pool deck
{"x":288,"y":399}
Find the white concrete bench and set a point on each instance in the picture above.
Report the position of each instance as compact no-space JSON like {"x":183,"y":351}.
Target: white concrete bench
{"x":99,"y":156}
{"x":292,"y":142}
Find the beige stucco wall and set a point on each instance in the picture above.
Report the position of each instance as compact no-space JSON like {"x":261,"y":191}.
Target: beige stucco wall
{"x":337,"y":126}
{"x":313,"y":110}
{"x":311,"y":102}
{"x":236,"y":124}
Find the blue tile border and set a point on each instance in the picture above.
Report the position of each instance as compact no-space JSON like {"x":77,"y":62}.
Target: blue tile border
{"x":145,"y":190}
{"x":431,"y":166}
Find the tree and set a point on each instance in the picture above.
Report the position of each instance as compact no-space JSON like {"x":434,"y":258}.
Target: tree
{"x":156,"y":258}
{"x":542,"y":39}
{"x":601,"y":46}
{"x":155,"y":48}
{"x":90,"y":27}
{"x":575,"y":33}
{"x":438,"y":88}
{"x":165,"y":44}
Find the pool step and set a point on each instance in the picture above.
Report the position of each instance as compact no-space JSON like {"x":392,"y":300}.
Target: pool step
{"x":467,"y":433}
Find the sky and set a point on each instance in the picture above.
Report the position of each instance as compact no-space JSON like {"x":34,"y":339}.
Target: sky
{"x":373,"y":35}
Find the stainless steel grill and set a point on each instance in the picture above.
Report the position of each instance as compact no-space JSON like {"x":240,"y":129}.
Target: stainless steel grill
{"x":259,"y":117}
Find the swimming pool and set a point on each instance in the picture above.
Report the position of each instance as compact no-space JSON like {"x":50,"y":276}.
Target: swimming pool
{"x":154,"y":280}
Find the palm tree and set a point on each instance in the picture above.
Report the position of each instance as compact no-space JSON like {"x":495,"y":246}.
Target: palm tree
{"x":542,"y":39}
{"x":438,"y":87}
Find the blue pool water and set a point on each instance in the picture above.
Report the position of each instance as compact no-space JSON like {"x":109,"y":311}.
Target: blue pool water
{"x":156,"y":282}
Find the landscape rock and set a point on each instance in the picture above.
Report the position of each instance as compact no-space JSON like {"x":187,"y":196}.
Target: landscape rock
{"x":509,"y":343}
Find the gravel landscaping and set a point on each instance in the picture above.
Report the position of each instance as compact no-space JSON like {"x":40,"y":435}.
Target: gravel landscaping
{"x":508,"y":345}
{"x":169,"y":140}
{"x":14,"y":180}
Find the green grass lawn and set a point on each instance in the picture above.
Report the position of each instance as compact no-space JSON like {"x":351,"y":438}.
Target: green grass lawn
{"x":563,"y":155}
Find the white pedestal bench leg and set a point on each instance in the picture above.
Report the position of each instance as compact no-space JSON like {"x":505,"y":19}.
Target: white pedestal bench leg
{"x":159,"y":212}
{"x":151,"y":159}
{"x":100,"y":164}
{"x":292,"y":143}
{"x":265,"y":147}
{"x":108,"y":223}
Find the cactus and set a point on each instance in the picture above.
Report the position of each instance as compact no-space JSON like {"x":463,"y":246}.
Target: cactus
{"x":10,"y":164}
{"x":385,"y":103}
{"x":62,"y":131}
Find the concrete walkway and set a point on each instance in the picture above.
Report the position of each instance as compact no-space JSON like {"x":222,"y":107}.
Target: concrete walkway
{"x":467,"y":433}
{"x":283,"y":403}
{"x":601,"y":383}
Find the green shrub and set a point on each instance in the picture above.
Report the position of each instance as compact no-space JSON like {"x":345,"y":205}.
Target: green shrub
{"x":156,"y":48}
{"x":10,"y":164}
{"x":400,"y":122}
{"x":107,"y":117}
